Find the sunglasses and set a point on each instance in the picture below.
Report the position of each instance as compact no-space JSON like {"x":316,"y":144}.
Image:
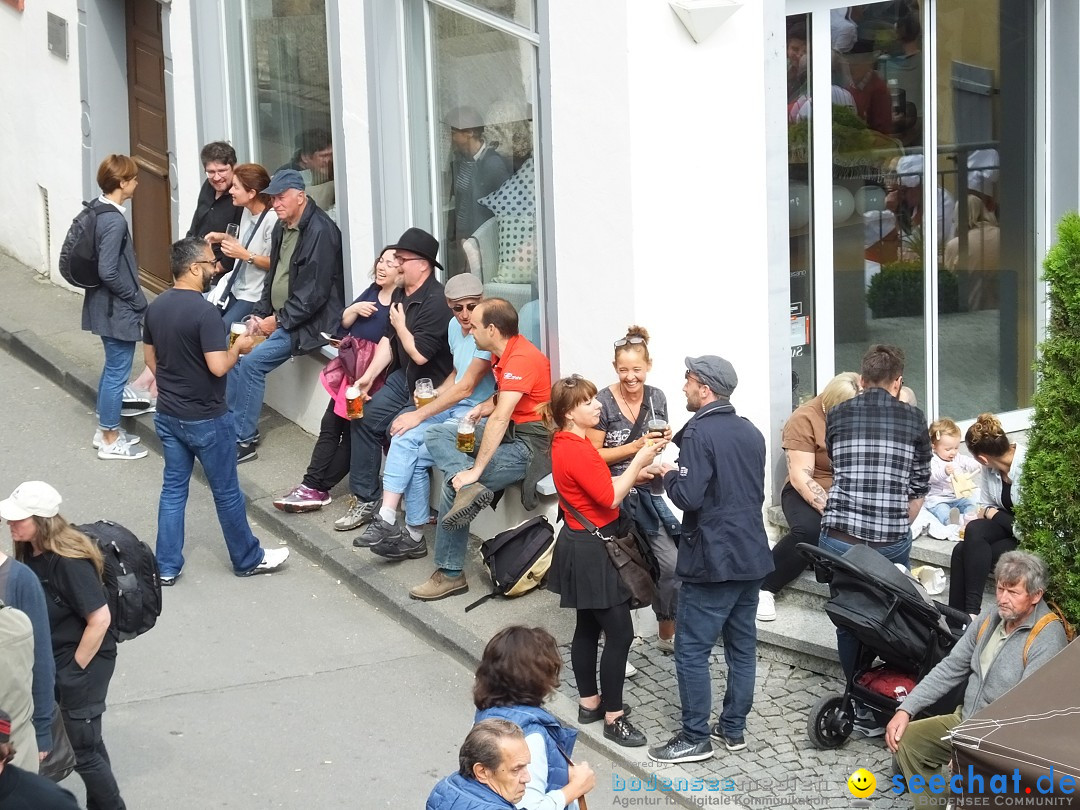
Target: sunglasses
{"x":573,"y":380}
{"x":633,"y":341}
{"x":470,"y":307}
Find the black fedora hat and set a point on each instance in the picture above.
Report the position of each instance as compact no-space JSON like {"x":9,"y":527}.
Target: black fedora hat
{"x":420,"y":242}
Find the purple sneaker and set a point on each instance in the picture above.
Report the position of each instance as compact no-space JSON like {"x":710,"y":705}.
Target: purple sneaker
{"x":303,"y":499}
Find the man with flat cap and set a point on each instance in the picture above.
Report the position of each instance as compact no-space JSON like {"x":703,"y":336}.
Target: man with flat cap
{"x":414,"y":346}
{"x":478,"y":169}
{"x":303,"y":296}
{"x":723,"y":557}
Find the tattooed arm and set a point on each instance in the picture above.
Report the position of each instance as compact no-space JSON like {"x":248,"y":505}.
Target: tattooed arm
{"x":801,"y":472}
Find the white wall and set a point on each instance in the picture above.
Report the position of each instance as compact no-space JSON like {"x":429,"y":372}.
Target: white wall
{"x":39,"y":132}
{"x":660,"y":193}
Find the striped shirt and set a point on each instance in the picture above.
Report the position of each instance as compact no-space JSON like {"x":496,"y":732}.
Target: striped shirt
{"x":880,"y":452}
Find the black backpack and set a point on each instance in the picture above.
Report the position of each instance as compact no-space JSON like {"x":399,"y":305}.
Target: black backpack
{"x":78,"y":254}
{"x":518,"y":558}
{"x":132,"y":581}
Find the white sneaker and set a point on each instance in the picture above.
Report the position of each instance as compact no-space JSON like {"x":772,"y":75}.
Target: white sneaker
{"x":121,"y":450}
{"x":766,"y":606}
{"x":129,"y":438}
{"x":273,"y":559}
{"x":631,"y":670}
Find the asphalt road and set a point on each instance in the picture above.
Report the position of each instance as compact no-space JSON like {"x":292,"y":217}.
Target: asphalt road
{"x":277,"y":691}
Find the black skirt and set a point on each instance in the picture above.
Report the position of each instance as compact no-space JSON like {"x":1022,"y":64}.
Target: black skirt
{"x":581,"y":571}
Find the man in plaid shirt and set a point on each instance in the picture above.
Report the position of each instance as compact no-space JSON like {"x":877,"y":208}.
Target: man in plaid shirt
{"x":880,"y":452}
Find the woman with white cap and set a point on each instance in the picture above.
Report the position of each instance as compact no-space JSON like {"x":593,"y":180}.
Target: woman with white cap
{"x":70,"y":568}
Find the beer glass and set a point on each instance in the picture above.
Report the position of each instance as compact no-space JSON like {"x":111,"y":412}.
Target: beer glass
{"x":354,"y":402}
{"x":235,"y":331}
{"x":425,"y":392}
{"x":466,"y":435}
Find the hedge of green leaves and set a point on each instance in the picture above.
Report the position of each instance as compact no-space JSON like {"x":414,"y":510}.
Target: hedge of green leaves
{"x":1048,"y":516}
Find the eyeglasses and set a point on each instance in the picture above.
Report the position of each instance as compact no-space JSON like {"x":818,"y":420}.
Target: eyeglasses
{"x":573,"y":380}
{"x":634,"y":340}
{"x":470,"y":307}
{"x":691,"y":377}
{"x":403,"y":259}
{"x":217,"y":172}
{"x":210,"y":262}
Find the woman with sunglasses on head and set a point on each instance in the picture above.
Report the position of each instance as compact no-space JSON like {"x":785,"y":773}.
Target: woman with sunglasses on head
{"x":365,"y":320}
{"x":581,"y":571}
{"x":627,"y":409}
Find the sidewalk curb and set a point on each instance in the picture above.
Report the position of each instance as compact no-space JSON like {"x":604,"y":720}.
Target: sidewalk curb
{"x":362,"y":577}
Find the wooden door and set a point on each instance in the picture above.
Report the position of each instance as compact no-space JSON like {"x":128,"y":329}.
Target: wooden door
{"x":151,"y":213}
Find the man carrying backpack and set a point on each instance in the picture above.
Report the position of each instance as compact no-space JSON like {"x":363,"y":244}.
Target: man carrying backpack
{"x":187,"y":350}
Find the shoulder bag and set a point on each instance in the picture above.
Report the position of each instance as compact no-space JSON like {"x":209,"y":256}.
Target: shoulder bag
{"x":625,"y":554}
{"x":224,"y":299}
{"x":60,"y":762}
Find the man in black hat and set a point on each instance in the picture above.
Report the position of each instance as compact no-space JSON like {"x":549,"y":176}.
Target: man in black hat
{"x":724,"y":556}
{"x":413,"y":347}
{"x":303,"y":296}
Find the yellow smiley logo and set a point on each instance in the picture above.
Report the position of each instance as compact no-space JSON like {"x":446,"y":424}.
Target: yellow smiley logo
{"x":862,"y":784}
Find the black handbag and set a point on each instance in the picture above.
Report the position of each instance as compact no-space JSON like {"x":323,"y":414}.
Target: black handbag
{"x":60,"y":762}
{"x":625,"y":553}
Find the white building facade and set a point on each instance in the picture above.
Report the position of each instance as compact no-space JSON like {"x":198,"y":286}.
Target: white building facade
{"x":657,"y":165}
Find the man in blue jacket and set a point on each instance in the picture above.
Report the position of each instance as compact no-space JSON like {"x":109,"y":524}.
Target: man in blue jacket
{"x":493,"y":769}
{"x":303,"y":296}
{"x":723,"y":557}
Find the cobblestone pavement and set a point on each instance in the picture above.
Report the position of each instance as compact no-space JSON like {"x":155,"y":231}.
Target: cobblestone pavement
{"x":780,"y":767}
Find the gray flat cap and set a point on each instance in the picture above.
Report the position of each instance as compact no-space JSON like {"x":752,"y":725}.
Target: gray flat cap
{"x":463,"y":285}
{"x":715,"y":372}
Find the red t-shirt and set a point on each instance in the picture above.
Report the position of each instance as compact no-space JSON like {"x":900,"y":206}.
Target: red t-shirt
{"x":524,"y":368}
{"x":582,"y":479}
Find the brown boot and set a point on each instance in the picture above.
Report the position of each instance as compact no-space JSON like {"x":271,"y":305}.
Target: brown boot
{"x":468,"y":503}
{"x":439,"y":586}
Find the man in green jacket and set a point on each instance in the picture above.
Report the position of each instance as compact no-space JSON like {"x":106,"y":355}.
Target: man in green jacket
{"x":1001,"y":647}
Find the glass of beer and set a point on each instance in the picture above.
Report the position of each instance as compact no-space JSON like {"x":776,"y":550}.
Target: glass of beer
{"x":466,"y":435}
{"x":354,"y":402}
{"x":425,"y":392}
{"x":235,"y":331}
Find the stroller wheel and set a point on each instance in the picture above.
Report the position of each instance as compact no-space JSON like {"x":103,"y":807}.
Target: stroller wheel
{"x":829,"y":723}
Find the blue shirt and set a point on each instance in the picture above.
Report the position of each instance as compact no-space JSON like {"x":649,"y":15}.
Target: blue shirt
{"x":463,"y":347}
{"x":374,"y":326}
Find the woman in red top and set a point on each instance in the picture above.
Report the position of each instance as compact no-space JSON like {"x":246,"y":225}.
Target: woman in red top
{"x":581,"y":572}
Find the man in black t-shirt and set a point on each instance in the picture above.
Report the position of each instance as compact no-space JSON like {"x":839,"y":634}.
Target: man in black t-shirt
{"x":186,"y":348}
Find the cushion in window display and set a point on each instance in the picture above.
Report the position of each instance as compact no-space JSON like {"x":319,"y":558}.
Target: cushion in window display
{"x":513,"y":204}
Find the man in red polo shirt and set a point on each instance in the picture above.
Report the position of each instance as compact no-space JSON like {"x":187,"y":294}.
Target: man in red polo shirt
{"x":512,"y":443}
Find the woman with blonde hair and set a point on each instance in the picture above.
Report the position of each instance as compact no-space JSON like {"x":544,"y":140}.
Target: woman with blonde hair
{"x":70,"y":567}
{"x":581,"y":571}
{"x":114,"y":310}
{"x":992,"y":533}
{"x":807,"y":486}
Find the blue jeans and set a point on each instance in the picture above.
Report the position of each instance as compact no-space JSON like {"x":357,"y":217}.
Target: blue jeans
{"x":212,"y":442}
{"x":709,"y":611}
{"x":408,"y":462}
{"x":507,"y":466}
{"x":941,"y":510}
{"x":247,"y":383}
{"x":236,"y":312}
{"x":114,"y":376}
{"x":847,"y":646}
{"x":369,"y":434}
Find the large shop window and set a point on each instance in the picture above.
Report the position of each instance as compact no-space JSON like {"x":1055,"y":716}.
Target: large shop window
{"x":286,"y":91}
{"x":929,"y":239}
{"x":482,"y":89}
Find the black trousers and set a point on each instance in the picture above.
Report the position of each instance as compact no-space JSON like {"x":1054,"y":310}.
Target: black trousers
{"x":972,"y":561}
{"x":805,"y":523}
{"x":332,"y":452}
{"x":618,"y":629}
{"x":82,"y":693}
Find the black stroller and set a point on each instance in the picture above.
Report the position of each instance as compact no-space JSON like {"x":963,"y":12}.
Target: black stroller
{"x":894,"y":622}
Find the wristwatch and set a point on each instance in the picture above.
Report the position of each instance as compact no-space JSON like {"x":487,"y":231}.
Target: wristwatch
{"x":250,"y":259}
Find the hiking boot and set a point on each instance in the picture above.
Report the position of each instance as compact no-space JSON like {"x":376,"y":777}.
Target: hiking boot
{"x":245,"y":451}
{"x":468,"y":502}
{"x":401,"y":547}
{"x":732,"y":742}
{"x":766,"y":606}
{"x":303,"y":499}
{"x":130,"y":438}
{"x":439,"y":586}
{"x":359,"y":513}
{"x":585,"y":716}
{"x":273,"y":559}
{"x":121,"y":450}
{"x":378,"y":531}
{"x":681,"y":748}
{"x":622,"y":732}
